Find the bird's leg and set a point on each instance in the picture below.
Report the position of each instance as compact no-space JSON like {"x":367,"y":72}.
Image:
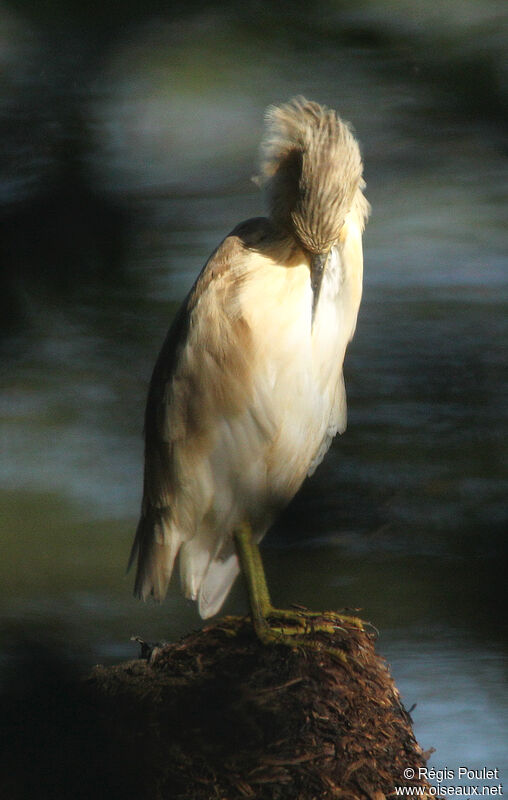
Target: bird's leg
{"x":294,"y":622}
{"x":252,"y":568}
{"x":259,"y":597}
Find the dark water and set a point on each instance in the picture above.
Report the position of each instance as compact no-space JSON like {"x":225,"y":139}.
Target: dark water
{"x":124,"y":164}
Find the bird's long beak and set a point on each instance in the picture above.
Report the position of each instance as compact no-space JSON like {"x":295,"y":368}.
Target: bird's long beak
{"x":317,"y":268}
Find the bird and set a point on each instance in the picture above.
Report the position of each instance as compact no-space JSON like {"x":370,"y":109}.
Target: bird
{"x":248,"y":390}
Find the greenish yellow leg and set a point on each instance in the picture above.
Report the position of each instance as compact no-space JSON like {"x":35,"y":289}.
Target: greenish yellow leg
{"x":300,"y":622}
{"x":252,"y":568}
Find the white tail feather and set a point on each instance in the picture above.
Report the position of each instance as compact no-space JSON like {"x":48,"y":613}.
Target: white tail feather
{"x":217,"y":582}
{"x":195,"y":556}
{"x":157,"y":545}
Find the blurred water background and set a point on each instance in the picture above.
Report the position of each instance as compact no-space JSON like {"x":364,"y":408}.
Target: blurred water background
{"x":128,"y":141}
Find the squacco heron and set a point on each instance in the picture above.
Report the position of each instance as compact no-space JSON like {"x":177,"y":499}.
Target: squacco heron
{"x":248,"y":392}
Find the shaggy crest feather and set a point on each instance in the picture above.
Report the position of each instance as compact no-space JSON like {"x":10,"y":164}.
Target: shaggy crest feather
{"x":312,"y":167}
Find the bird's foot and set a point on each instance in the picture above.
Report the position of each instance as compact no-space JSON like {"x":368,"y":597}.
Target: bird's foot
{"x":311,"y":621}
{"x":296,"y":627}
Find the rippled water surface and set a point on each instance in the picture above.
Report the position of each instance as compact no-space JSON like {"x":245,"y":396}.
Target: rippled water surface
{"x":108,"y":216}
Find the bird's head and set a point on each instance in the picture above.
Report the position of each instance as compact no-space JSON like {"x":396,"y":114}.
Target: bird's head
{"x":312,"y":168}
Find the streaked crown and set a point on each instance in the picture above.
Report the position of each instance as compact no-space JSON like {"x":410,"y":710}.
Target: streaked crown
{"x":312,"y":167}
